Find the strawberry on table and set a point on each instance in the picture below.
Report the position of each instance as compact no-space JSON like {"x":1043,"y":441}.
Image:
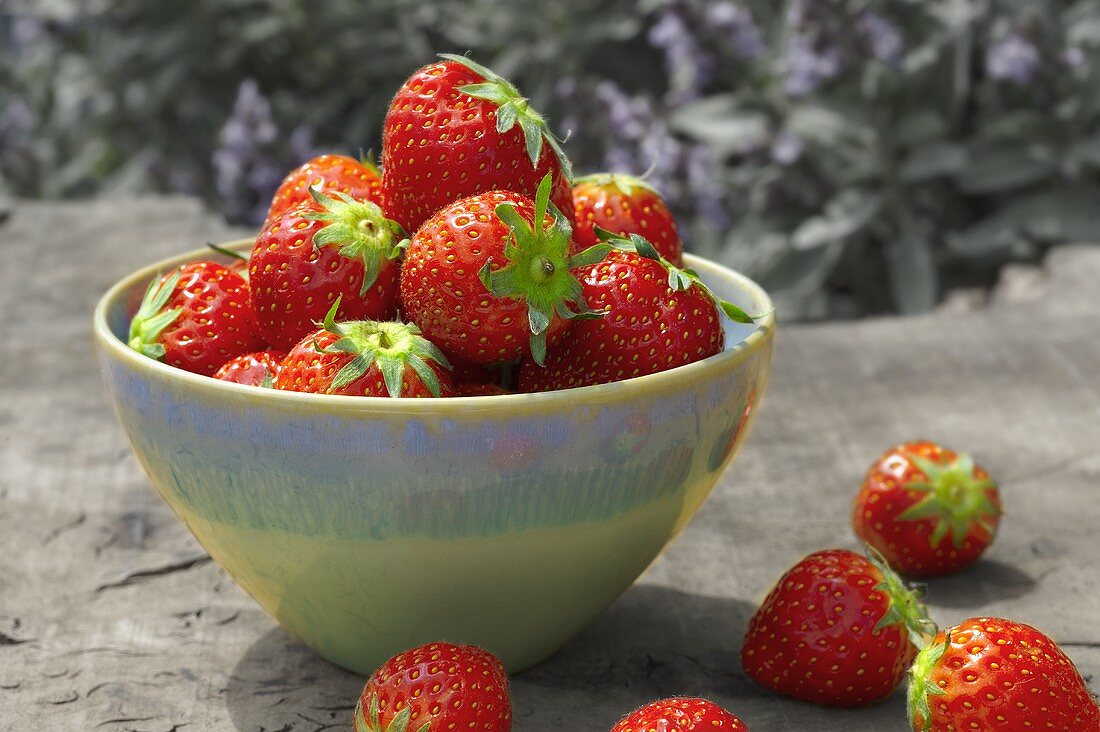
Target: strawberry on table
{"x":196,"y":318}
{"x":330,"y":174}
{"x":836,"y":630}
{"x":437,"y":687}
{"x":456,"y":129}
{"x":658,"y":317}
{"x":928,"y":510}
{"x":252,"y":369}
{"x":992,"y":674}
{"x":625,"y":205}
{"x":490,"y":278}
{"x":365,"y":358}
{"x":680,"y":714}
{"x":327,"y":249}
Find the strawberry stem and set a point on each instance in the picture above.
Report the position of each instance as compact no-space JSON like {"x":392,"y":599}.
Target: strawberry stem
{"x":360,"y":229}
{"x":955,"y":497}
{"x":920,"y":683}
{"x":905,"y":606}
{"x":151,"y":318}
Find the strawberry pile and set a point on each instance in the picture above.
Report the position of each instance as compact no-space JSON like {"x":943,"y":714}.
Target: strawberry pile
{"x":469,"y":256}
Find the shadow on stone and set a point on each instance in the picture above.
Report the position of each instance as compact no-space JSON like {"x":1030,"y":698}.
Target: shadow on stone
{"x":984,"y":582}
{"x":280,"y":685}
{"x":654,"y":641}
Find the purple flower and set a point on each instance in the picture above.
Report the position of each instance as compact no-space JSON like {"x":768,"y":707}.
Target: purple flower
{"x":245,"y":174}
{"x":689,"y":65}
{"x":883,"y":36}
{"x":810,"y":64}
{"x":787,"y":148}
{"x":738,"y":24}
{"x":1013,"y":58}
{"x":1073,"y":57}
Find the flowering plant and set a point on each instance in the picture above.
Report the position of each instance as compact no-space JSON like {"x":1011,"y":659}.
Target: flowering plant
{"x":854,"y":155}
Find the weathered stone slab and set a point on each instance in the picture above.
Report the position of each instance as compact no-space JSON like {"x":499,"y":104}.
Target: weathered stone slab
{"x":112,"y":618}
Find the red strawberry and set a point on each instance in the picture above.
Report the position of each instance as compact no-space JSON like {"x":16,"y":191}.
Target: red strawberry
{"x":311,"y":255}
{"x":991,"y":674}
{"x":489,"y":278}
{"x":680,"y":714}
{"x":926,"y":509}
{"x":365,"y":358}
{"x":472,"y":388}
{"x":625,"y":205}
{"x":658,"y":317}
{"x":835,"y":630}
{"x":456,"y":129}
{"x":357,"y":179}
{"x":196,"y":318}
{"x":252,"y":369}
{"x":436,"y":688}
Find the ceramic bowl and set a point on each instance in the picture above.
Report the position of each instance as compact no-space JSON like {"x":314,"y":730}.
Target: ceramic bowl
{"x":367,"y":525}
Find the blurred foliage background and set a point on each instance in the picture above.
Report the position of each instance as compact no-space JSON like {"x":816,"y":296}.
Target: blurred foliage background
{"x":856,"y":156}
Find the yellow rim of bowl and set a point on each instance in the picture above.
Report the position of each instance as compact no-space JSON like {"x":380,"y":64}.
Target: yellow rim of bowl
{"x":661,"y":382}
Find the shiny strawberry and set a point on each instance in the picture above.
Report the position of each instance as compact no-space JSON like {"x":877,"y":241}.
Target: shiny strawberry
{"x":680,"y":714}
{"x":836,"y":630}
{"x":437,"y":687}
{"x":365,"y":358}
{"x":318,"y":252}
{"x":926,"y":509}
{"x":993,"y":675}
{"x":625,"y":205}
{"x":196,"y":318}
{"x":489,"y":278}
{"x":252,"y":369}
{"x":456,"y":129}
{"x":330,"y":174}
{"x":657,"y":317}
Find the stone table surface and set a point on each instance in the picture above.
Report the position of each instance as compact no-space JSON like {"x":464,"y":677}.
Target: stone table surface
{"x":113,"y":618}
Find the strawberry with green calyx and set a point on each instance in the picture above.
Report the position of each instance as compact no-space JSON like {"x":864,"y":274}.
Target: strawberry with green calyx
{"x":365,"y":358}
{"x":358,"y":179}
{"x":456,"y":129}
{"x":490,"y":278}
{"x":658,"y":317}
{"x":436,"y":687}
{"x":625,"y":205}
{"x":333,"y":247}
{"x":195,"y":318}
{"x":838,"y":629}
{"x":994,"y":674}
{"x":927,"y":509}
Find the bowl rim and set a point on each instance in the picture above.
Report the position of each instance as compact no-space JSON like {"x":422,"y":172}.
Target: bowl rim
{"x":110,"y":344}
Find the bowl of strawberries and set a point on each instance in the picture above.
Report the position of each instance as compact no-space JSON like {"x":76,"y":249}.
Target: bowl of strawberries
{"x":464,"y":397}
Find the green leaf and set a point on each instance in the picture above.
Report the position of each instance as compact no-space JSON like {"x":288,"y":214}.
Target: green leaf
{"x":935,"y":160}
{"x":1003,"y":168}
{"x":847,"y":213}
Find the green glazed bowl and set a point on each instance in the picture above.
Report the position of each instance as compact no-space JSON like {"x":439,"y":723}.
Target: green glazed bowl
{"x":367,"y":525}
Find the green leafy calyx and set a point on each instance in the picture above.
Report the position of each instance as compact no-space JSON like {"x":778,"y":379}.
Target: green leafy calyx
{"x":626,"y":184}
{"x":954,"y":497}
{"x":904,"y":604}
{"x":359,"y":228}
{"x":390,"y":346}
{"x":539,"y":268}
{"x":921,"y":686}
{"x":679,"y":278}
{"x":513,"y":109}
{"x":370,"y":722}
{"x":151,"y":318}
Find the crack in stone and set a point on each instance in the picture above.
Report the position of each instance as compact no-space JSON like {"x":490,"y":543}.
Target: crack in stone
{"x":142,"y":575}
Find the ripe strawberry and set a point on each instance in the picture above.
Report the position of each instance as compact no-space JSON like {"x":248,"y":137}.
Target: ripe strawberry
{"x":252,"y":369}
{"x":992,"y":674}
{"x":836,"y":630}
{"x":456,"y":129}
{"x":365,"y":358}
{"x":196,"y":318}
{"x":357,"y":179}
{"x":489,"y":277}
{"x":311,"y":255}
{"x":473,"y":388}
{"x":658,"y":317}
{"x":915,"y":496}
{"x":625,"y":205}
{"x":680,"y":714}
{"x":436,"y":688}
